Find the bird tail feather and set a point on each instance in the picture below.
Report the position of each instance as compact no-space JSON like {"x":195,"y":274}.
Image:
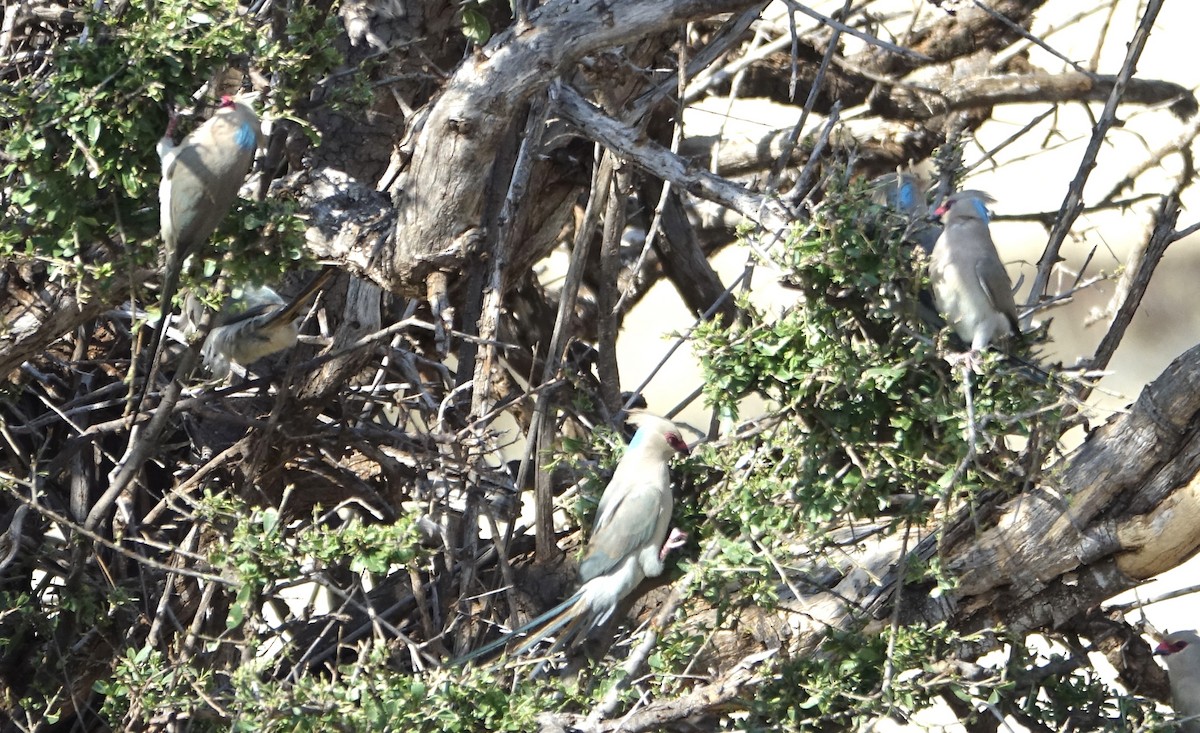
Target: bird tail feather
{"x":536,"y":629}
{"x":292,"y":310}
{"x":579,"y":624}
{"x":158,"y":339}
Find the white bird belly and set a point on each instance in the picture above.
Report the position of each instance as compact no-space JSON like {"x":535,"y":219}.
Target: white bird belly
{"x":963,"y":303}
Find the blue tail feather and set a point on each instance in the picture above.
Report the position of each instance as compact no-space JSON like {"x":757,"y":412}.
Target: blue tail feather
{"x":536,"y":629}
{"x":580,"y":624}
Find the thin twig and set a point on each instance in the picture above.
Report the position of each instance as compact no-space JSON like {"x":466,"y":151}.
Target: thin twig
{"x":1073,"y":202}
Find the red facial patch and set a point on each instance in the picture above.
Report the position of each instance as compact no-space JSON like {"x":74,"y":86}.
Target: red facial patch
{"x":677,"y":443}
{"x":1170,"y":647}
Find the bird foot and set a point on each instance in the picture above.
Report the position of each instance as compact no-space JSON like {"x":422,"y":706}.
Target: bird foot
{"x":677,"y":539}
{"x":968,"y":360}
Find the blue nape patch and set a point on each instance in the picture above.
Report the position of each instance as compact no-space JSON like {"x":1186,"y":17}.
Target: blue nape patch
{"x":907,"y":197}
{"x":638,"y":437}
{"x":981,"y":210}
{"x":245,"y":137}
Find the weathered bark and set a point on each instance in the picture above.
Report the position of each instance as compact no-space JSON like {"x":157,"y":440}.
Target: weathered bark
{"x":440,"y":200}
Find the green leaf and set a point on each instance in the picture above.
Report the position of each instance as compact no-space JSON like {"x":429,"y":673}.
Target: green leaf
{"x":476,"y":27}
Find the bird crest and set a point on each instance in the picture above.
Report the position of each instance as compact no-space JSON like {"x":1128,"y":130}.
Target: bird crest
{"x":979,"y":201}
{"x":653,"y":425}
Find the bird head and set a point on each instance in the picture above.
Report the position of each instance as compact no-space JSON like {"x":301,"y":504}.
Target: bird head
{"x":239,"y":112}
{"x":1176,"y":643}
{"x":966,"y":205}
{"x":657,"y":433}
{"x":900,"y":191}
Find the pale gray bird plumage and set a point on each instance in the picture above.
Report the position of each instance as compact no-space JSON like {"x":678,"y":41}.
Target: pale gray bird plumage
{"x":258,"y":324}
{"x":629,"y":539}
{"x":971,"y":288}
{"x":1181,"y":651}
{"x":202,"y":174}
{"x":200,"y":181}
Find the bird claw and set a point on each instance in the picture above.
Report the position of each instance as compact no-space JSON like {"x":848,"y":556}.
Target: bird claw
{"x":677,"y":539}
{"x":969,"y":360}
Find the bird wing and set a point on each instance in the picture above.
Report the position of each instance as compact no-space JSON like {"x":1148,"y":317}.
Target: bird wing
{"x":292,"y":311}
{"x":926,"y":236}
{"x":254,"y":311}
{"x":195,"y":212}
{"x":993,"y":278}
{"x":623,"y":526}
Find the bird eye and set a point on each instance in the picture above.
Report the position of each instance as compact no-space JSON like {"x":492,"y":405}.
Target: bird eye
{"x":676,"y":441}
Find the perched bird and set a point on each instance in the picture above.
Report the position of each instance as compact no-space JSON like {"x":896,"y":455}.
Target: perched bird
{"x":201,"y":176}
{"x":903,"y":193}
{"x":629,"y":539}
{"x":1181,"y":651}
{"x":200,"y":180}
{"x":259,"y":324}
{"x":970,"y":285}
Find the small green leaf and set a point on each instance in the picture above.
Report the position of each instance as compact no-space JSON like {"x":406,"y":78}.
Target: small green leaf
{"x":476,"y":27}
{"x":270,"y":521}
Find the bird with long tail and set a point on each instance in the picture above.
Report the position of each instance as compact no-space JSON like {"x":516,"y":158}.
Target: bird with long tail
{"x":200,"y":181}
{"x":629,"y":541}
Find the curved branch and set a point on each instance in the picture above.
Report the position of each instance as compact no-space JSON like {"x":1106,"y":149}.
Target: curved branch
{"x":440,"y":201}
{"x":668,"y":166}
{"x":907,"y":102}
